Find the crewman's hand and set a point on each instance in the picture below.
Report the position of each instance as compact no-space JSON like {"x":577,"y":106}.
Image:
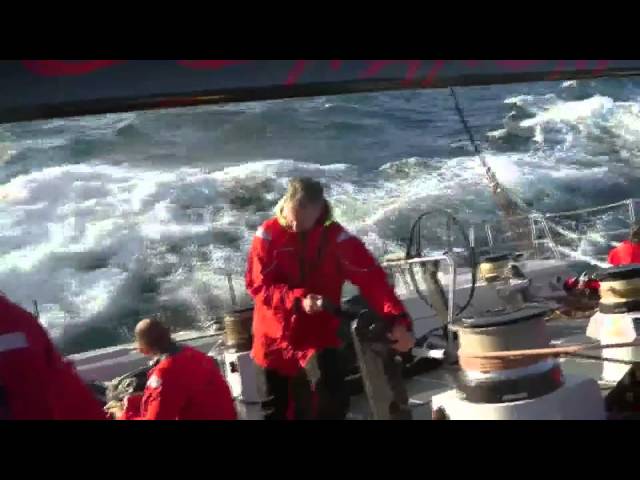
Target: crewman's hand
{"x":114,"y":408}
{"x":312,"y":303}
{"x":403,"y":338}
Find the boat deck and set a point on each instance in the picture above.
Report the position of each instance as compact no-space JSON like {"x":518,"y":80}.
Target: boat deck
{"x":106,"y":364}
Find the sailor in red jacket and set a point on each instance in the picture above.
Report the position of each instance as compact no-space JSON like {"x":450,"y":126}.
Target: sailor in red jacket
{"x":297,"y":266}
{"x":184,"y":384}
{"x":36,"y":383}
{"x":628,"y":251}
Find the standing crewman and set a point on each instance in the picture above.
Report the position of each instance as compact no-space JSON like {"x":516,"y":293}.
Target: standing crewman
{"x":36,"y":383}
{"x":628,"y":251}
{"x":184,"y":383}
{"x":298,"y":263}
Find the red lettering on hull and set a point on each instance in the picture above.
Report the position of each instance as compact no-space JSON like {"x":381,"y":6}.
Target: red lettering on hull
{"x":67,"y":68}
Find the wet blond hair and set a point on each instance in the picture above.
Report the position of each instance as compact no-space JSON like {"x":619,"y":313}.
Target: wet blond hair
{"x":304,"y":191}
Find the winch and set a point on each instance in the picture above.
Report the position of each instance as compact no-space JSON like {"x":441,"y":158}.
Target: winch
{"x":494,"y":267}
{"x":237,"y":330}
{"x":504,"y":386}
{"x":245,"y":379}
{"x":501,"y":273}
{"x":618,"y":318}
{"x":619,"y":289}
{"x":483,"y":380}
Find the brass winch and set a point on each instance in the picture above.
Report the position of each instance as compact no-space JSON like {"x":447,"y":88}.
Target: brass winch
{"x":495,"y":267}
{"x":619,"y":289}
{"x":237,"y":330}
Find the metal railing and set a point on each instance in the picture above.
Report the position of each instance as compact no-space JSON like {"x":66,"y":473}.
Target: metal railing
{"x":543,"y":227}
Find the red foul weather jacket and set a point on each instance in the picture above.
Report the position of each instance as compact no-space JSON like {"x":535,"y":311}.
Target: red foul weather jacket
{"x":184,"y":385}
{"x":284,"y":266}
{"x":625,"y":253}
{"x":36,"y":383}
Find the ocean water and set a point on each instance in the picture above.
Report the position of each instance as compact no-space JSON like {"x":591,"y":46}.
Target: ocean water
{"x":107,"y":219}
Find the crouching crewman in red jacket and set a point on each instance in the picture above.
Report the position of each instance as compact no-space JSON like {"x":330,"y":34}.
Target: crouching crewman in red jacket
{"x":298,"y":263}
{"x":184,"y":383}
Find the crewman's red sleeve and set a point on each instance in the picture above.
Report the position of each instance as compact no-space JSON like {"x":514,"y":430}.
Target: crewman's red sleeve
{"x":132,"y":405}
{"x":74,"y":400}
{"x":362,"y":269}
{"x":25,"y":378}
{"x":225,"y":407}
{"x":260,"y":282}
{"x":163,"y":396}
{"x":38,"y":382}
